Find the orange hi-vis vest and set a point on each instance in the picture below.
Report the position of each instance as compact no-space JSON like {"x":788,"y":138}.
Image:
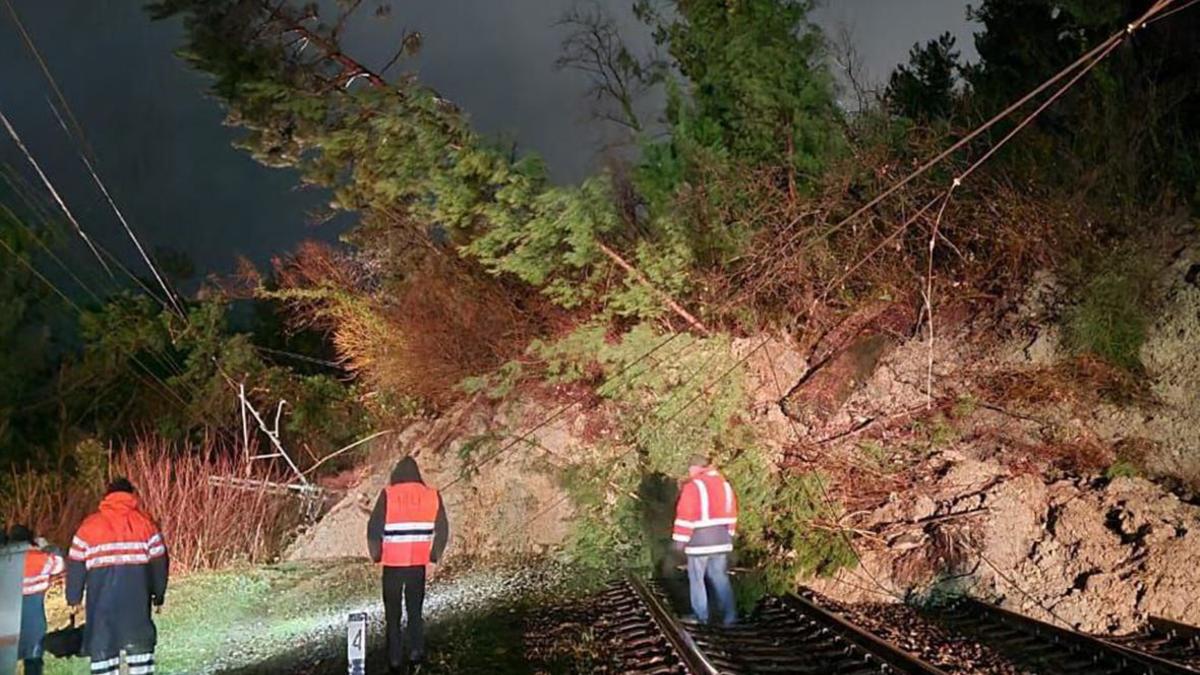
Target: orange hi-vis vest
{"x":412,"y":510}
{"x":706,"y":513}
{"x":40,"y":567}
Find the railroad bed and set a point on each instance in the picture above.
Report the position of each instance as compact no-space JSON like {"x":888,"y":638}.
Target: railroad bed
{"x":1165,"y":648}
{"x":784,"y":635}
{"x":794,"y":634}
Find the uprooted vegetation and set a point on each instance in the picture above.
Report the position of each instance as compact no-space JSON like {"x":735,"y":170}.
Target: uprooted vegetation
{"x":734,"y":288}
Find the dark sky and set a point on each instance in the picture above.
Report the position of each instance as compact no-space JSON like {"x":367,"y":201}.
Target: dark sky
{"x":167,"y":159}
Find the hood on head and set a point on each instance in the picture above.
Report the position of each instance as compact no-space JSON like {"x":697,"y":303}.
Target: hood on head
{"x":119,"y":501}
{"x":406,"y":471}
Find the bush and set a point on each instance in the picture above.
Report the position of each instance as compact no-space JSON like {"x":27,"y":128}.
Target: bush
{"x":1111,"y":315}
{"x":206,"y":526}
{"x":686,"y":398}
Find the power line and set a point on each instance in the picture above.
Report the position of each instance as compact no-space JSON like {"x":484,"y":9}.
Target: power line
{"x":50,"y":187}
{"x":86,"y":151}
{"x":996,"y":119}
{"x":124,"y":223}
{"x":28,"y":40}
{"x":72,"y":304}
{"x":163,"y":357}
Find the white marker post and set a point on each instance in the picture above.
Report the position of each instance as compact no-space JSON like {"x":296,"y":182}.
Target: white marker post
{"x":356,"y":643}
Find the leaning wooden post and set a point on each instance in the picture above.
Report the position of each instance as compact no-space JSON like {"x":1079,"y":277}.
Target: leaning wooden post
{"x":245,"y":423}
{"x":668,"y":300}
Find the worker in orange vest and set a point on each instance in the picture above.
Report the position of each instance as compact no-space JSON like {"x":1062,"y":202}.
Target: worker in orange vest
{"x":407,"y":533}
{"x":705,"y":524}
{"x":119,"y":559}
{"x":41,"y":567}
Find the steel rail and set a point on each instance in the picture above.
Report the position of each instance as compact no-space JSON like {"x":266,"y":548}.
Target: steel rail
{"x":1132,"y":660}
{"x":898,"y":659}
{"x":681,"y":641}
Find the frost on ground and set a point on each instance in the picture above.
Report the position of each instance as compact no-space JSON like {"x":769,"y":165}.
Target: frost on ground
{"x":291,"y":618}
{"x":317,"y":644}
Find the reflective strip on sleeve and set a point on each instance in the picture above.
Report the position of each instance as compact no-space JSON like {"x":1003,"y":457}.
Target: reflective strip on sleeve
{"x":79,"y":549}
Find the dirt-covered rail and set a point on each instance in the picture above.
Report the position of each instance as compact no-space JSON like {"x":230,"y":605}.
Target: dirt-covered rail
{"x":1164,"y":649}
{"x":784,"y":635}
{"x":1167,"y":639}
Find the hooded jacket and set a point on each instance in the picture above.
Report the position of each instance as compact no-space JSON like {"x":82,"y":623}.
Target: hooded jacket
{"x":405,"y":471}
{"x":119,"y":558}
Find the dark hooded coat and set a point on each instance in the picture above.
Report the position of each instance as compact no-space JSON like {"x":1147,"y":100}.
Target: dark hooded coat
{"x":405,"y":471}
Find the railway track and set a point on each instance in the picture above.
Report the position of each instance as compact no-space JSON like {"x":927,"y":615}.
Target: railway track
{"x":784,"y":635}
{"x":1164,"y":649}
{"x":794,"y":634}
{"x":1167,"y":639}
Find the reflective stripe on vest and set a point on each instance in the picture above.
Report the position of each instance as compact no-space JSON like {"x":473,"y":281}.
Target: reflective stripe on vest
{"x":39,"y":568}
{"x":412,"y":510}
{"x":707,"y":519}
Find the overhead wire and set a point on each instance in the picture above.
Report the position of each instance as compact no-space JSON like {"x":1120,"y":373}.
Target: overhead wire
{"x":87,"y":155}
{"x":37,"y":55}
{"x":14,"y":181}
{"x":54,"y":192}
{"x":167,"y":292}
{"x":72,"y":304}
{"x":991,"y":122}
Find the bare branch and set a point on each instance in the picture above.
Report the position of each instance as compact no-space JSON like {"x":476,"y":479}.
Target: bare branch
{"x":618,"y":78}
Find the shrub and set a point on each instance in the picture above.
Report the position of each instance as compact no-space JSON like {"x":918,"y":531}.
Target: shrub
{"x":686,"y":398}
{"x":206,"y":526}
{"x":1110,"y":317}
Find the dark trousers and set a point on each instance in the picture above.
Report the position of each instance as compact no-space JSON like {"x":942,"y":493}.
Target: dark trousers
{"x":404,"y":591}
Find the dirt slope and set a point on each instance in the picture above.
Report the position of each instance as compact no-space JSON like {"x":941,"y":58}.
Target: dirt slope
{"x":993,"y":481}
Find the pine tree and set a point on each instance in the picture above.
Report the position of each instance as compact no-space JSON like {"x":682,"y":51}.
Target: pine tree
{"x":756,"y":85}
{"x":924,"y":88}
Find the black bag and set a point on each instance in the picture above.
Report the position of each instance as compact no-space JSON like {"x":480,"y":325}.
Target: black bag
{"x":65,"y":642}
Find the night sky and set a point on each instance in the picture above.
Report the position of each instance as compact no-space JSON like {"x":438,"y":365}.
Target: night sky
{"x":168,"y":161}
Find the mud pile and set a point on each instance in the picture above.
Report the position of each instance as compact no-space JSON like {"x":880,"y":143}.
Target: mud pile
{"x":498,"y":477}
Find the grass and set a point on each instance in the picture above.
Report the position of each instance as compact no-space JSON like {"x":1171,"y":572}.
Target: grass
{"x":211,"y":616}
{"x":1111,"y":316}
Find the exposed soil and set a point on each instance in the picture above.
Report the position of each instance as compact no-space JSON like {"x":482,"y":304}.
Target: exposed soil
{"x":977,"y":463}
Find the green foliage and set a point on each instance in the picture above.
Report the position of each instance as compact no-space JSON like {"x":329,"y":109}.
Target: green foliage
{"x":1122,"y":469}
{"x":406,"y":160}
{"x":923,"y":89}
{"x":26,"y":403}
{"x":159,"y":373}
{"x":1128,"y":129}
{"x":687,"y":397}
{"x":1111,"y":313}
{"x":472,"y":448}
{"x":936,"y":432}
{"x":753,"y":114}
{"x":796,"y":506}
{"x":875,"y":454}
{"x":757,"y":88}
{"x":964,"y":406}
